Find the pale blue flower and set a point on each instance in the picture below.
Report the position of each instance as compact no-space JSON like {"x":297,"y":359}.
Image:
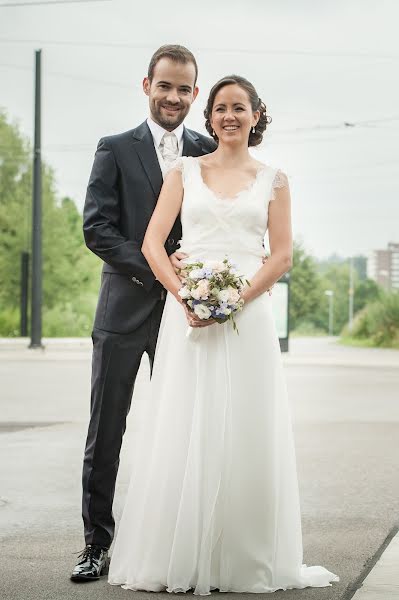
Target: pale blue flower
{"x":223,"y":309}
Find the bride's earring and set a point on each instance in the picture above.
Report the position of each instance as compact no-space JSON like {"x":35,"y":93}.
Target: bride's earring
{"x":253,"y":129}
{"x":213,"y":133}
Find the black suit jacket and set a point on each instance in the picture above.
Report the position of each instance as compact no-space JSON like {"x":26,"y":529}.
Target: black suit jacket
{"x":123,"y":189}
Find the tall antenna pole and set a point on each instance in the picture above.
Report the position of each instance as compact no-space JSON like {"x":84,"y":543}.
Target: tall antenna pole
{"x":36,"y":317}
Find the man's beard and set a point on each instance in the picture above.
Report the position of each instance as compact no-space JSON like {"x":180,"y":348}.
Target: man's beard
{"x":168,"y":122}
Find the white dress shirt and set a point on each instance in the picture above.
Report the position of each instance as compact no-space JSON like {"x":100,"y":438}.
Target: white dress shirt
{"x":157,"y":133}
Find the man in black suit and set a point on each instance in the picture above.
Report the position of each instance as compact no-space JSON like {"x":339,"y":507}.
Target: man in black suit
{"x":123,"y":189}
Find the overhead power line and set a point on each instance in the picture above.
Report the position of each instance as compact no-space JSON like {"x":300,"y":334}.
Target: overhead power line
{"x":84,"y":78}
{"x":74,"y":77}
{"x":321,"y":127}
{"x":340,"y":125}
{"x":274,"y":136}
{"x":251,"y":51}
{"x":48,"y":2}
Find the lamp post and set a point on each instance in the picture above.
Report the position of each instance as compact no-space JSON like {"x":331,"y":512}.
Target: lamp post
{"x":351,"y":292}
{"x":330,"y":294}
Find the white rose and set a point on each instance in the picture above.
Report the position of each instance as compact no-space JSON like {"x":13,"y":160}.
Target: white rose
{"x":216,"y":265}
{"x":219,"y":267}
{"x":234,"y":296}
{"x":184,"y":292}
{"x":203,"y":289}
{"x":196,"y":274}
{"x":195,"y":294}
{"x":223,"y":295}
{"x":202,"y":311}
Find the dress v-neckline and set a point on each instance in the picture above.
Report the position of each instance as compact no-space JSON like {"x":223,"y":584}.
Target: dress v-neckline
{"x":228,"y":199}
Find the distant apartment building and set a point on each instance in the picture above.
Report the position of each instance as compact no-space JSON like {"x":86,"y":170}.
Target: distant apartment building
{"x":383,"y":266}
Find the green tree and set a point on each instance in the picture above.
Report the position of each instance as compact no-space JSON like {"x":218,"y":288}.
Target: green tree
{"x":360,"y":264}
{"x":366,"y":291}
{"x":15,"y":186}
{"x":335,"y":277}
{"x":305,"y":289}
{"x":70,"y":271}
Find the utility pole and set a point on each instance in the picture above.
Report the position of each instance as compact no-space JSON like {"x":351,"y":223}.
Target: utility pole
{"x":351,"y":293}
{"x":36,"y":312}
{"x":23,"y":326}
{"x":330,"y":294}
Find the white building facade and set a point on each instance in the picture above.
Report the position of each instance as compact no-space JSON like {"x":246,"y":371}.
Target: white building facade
{"x":383,"y":266}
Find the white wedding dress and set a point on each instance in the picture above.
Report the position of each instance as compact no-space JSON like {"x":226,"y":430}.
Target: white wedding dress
{"x":213,"y":498}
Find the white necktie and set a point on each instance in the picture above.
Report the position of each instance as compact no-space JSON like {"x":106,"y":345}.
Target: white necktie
{"x":169,"y":149}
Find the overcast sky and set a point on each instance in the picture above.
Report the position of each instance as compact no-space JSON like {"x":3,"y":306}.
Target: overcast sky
{"x":316,"y":64}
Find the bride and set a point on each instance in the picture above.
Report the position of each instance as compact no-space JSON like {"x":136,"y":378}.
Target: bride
{"x":213,"y":498}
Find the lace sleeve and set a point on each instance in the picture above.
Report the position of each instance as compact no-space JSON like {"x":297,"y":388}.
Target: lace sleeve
{"x":280,"y":180}
{"x":179,"y":166}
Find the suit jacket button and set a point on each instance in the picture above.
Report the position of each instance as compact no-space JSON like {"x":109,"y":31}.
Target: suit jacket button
{"x":171,"y":241}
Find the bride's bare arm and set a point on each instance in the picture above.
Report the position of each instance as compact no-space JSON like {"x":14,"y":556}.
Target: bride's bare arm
{"x":167,"y":209}
{"x":280,"y":241}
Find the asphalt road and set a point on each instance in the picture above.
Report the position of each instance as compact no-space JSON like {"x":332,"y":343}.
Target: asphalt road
{"x":345,"y":405}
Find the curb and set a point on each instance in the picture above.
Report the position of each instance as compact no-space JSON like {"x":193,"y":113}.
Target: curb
{"x":380,"y":579}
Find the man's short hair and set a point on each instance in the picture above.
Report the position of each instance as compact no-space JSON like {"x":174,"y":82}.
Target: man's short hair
{"x":173,"y":52}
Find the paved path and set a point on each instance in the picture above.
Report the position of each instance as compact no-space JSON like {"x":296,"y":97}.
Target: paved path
{"x":346,"y":419}
{"x":382,"y":583}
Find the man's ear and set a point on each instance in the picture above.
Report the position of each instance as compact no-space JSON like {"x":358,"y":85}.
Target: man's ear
{"x":195,"y":93}
{"x":146,"y":86}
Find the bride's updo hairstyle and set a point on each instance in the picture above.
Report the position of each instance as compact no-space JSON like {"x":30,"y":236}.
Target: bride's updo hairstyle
{"x":256,"y":104}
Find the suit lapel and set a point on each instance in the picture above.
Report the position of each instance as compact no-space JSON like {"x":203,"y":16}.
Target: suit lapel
{"x":192,"y":145}
{"x":144,"y":146}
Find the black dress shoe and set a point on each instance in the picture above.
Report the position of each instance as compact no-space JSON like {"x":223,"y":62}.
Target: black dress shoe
{"x":93,"y":562}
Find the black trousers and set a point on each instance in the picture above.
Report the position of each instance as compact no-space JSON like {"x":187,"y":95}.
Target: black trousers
{"x":116,"y":360}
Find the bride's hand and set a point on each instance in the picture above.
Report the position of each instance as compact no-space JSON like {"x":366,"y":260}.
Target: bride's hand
{"x":245,"y":294}
{"x":195,"y":321}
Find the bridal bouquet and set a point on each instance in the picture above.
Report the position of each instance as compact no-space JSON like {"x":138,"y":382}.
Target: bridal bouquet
{"x":212,"y":290}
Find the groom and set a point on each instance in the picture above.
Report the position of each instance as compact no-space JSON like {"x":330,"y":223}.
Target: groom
{"x":123,"y":189}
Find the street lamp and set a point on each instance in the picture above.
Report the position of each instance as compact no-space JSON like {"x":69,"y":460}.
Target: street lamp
{"x":330,"y":295}
{"x":351,"y":292}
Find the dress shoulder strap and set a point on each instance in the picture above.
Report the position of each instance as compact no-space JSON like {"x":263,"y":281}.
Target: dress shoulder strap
{"x":184,"y":164}
{"x":280,"y":180}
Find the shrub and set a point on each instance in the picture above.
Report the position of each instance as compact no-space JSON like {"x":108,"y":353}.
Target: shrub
{"x":70,"y":319}
{"x":9,"y":322}
{"x":378,"y":322}
{"x":308,"y":329}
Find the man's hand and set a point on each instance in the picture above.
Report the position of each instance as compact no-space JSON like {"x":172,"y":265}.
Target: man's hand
{"x":177,"y":264}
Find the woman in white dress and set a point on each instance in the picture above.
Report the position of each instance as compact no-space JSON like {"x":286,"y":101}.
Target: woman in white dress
{"x":213,"y":498}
